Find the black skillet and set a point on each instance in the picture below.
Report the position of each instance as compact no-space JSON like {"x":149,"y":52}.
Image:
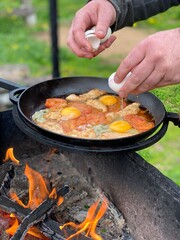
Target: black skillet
{"x":28,"y":100}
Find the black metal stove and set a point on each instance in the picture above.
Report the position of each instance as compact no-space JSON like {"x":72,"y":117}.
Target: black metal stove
{"x":149,"y":201}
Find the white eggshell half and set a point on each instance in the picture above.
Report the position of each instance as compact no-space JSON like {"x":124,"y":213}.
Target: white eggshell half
{"x":91,"y":31}
{"x":94,"y":41}
{"x":116,"y":87}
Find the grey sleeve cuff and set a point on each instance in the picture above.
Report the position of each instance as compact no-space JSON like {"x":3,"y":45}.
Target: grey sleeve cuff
{"x":130,"y":11}
{"x":124,"y":14}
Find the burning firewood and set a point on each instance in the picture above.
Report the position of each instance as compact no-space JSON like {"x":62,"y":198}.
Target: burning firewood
{"x":38,"y":214}
{"x":48,"y":227}
{"x":31,"y":214}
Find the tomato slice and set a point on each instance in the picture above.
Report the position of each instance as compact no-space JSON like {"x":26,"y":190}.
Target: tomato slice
{"x":55,"y":103}
{"x":140,"y":123}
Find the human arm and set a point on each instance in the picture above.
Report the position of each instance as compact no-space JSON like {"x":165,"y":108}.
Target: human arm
{"x":154,"y":62}
{"x":109,"y":13}
{"x":131,"y":11}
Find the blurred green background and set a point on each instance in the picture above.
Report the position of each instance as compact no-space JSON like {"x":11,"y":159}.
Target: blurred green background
{"x":19,"y":45}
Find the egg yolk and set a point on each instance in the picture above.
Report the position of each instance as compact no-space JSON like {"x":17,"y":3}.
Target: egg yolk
{"x":70,"y":113}
{"x":108,"y":100}
{"x":120,"y":126}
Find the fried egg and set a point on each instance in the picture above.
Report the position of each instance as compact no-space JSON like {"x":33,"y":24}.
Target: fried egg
{"x":70,"y":113}
{"x":108,"y":100}
{"x":120,"y":126}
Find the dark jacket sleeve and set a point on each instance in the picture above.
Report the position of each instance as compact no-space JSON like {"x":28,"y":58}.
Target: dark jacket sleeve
{"x":131,"y":11}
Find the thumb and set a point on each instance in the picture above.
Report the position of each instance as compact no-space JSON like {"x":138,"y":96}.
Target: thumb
{"x":106,"y":18}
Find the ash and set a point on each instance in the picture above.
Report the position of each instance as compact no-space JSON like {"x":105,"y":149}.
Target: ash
{"x":57,"y":170}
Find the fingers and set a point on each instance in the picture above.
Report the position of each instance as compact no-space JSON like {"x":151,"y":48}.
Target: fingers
{"x":151,"y":82}
{"x":134,"y":58}
{"x":106,"y":17}
{"x":153,"y":63}
{"x":76,"y":40}
{"x":142,"y":81}
{"x":105,"y":45}
{"x":141,"y":68}
{"x":98,"y":13}
{"x":139,"y":74}
{"x":84,"y":49}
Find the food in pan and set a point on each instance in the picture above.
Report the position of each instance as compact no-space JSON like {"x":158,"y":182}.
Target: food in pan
{"x":93,"y":115}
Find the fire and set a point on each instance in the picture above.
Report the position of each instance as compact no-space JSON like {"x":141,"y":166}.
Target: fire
{"x":90,"y":223}
{"x":14,"y":227}
{"x":38,"y":192}
{"x":10,"y":155}
{"x":33,"y":230}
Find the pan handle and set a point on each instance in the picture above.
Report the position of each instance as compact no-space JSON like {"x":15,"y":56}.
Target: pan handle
{"x":14,"y":94}
{"x":6,"y":84}
{"x":173,"y":117}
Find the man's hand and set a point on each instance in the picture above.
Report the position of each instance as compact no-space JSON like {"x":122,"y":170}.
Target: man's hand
{"x":154,"y":62}
{"x":99,"y":13}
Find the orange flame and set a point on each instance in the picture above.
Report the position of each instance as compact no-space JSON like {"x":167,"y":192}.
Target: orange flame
{"x":90,"y":223}
{"x":33,"y":230}
{"x":14,"y":227}
{"x":10,"y":155}
{"x":38,"y":192}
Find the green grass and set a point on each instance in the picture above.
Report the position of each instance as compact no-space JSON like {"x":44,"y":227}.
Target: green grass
{"x":167,"y":20}
{"x":22,"y":50}
{"x":170,"y":96}
{"x":73,"y":66}
{"x":165,"y":154}
{"x":18,"y":45}
{"x":67,"y":8}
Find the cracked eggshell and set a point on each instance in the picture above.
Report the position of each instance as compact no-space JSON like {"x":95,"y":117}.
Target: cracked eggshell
{"x":90,"y":31}
{"x":116,"y":87}
{"x":108,"y":34}
{"x":94,"y":41}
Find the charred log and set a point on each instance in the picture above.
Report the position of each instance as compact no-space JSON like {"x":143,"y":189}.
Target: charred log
{"x":48,"y":227}
{"x":6,"y":175}
{"x":39,"y":214}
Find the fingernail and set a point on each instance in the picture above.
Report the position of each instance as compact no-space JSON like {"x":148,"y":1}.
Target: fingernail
{"x":100,"y":32}
{"x":115,"y":79}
